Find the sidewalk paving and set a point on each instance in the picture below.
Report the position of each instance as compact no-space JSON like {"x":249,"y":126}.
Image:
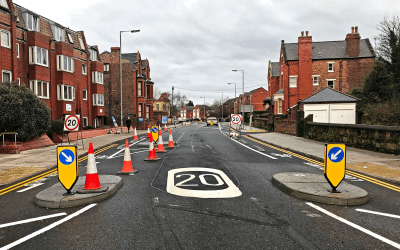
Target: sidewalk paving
{"x":378,"y":165}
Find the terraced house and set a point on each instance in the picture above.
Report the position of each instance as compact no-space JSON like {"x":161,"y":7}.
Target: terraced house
{"x":52,"y":60}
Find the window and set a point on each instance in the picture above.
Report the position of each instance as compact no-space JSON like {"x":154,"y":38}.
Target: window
{"x":98,"y":100}
{"x":65,"y":92}
{"x":70,"y":40}
{"x":106,"y":67}
{"x":93,"y":55}
{"x":65,"y":63}
{"x":331,"y":83}
{"x":140,"y":110}
{"x":84,"y":94}
{"x":279,"y":106}
{"x":292,"y":81}
{"x":19,"y":81}
{"x":6,"y":76}
{"x":164,"y":106}
{"x":59,"y":33}
{"x":148,"y":92}
{"x":147,"y":112}
{"x":81,"y":43}
{"x":32,"y":22}
{"x":5,"y":39}
{"x":330,"y":67}
{"x":39,"y":88}
{"x":84,"y":69}
{"x":17,"y":50}
{"x":157,"y":106}
{"x":315,"y":80}
{"x":97,"y":77}
{"x":38,"y":56}
{"x":3,"y":3}
{"x":139,"y":89}
{"x":85,"y":121}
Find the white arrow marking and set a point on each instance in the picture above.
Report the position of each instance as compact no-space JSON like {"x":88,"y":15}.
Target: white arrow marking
{"x":67,"y":158}
{"x":334,"y":156}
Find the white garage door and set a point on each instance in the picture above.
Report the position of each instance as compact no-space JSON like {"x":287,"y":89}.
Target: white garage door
{"x":319,"y":112}
{"x":344,"y":113}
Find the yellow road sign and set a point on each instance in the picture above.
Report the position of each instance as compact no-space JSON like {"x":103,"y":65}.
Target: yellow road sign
{"x":154,"y":132}
{"x":211,"y":123}
{"x":67,"y":165}
{"x":335,"y":164}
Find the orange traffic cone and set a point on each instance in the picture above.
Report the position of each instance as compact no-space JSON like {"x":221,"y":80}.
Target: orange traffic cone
{"x":171,"y":140}
{"x":165,"y":127}
{"x":127,"y":166}
{"x":92,"y":182}
{"x":160,"y":143}
{"x":152,"y":151}
{"x":135,"y":137}
{"x":148,"y":131}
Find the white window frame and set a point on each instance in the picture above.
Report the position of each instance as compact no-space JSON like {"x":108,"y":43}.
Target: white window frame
{"x":140,"y":110}
{"x":98,"y":99}
{"x":81,"y":43}
{"x":139,"y":89}
{"x":280,"y":104}
{"x":65,"y":63}
{"x":19,"y":81}
{"x":59,"y":33}
{"x":65,"y":92}
{"x":333,"y":67}
{"x":4,"y":4}
{"x":333,"y":80}
{"x":93,"y":55}
{"x":147,"y":112}
{"x":18,"y":50}
{"x":84,"y":69}
{"x":70,"y":40}
{"x":4,"y":43}
{"x":38,"y":56}
{"x":97,"y":77}
{"x":36,"y":87}
{"x":106,"y":67}
{"x":315,"y":83}
{"x":7,"y":72}
{"x":291,"y":83}
{"x":32,"y":22}
{"x":85,"y":121}
{"x":84,"y":94}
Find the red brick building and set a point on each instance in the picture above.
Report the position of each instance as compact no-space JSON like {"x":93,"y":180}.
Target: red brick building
{"x":201,"y":112}
{"x":52,"y":60}
{"x":161,"y":107}
{"x":137,"y":87}
{"x":254,"y":97}
{"x":307,"y":67}
{"x":187,"y":112}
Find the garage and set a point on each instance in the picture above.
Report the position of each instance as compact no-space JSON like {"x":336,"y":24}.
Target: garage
{"x":331,"y":106}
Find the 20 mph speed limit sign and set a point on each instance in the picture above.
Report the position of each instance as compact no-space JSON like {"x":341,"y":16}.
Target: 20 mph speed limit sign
{"x":71,"y":122}
{"x":236,"y":119}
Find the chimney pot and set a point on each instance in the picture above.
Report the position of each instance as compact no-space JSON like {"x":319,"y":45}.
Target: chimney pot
{"x":307,"y":33}
{"x":352,"y":29}
{"x":356,"y":29}
{"x":302,"y":33}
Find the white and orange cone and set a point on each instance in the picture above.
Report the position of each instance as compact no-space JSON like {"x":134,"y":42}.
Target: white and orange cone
{"x":135,"y":137}
{"x":148,"y":131}
{"x":127,"y":167}
{"x":152,"y":151}
{"x":171,"y":140}
{"x":165,"y":127}
{"x":160,"y":143}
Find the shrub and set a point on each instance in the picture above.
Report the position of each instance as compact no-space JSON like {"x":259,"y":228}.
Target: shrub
{"x":386,"y":113}
{"x":56,"y":127}
{"x":22,"y":112}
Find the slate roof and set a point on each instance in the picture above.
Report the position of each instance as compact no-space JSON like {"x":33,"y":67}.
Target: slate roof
{"x":252,"y":92}
{"x":201,"y":107}
{"x":275,"y":68}
{"x":328,"y":50}
{"x":329,"y":95}
{"x":131,"y":57}
{"x":189,"y":108}
{"x":279,"y":92}
{"x":143,"y":64}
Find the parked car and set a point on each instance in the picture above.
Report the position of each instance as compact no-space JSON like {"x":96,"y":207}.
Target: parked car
{"x":212,"y":120}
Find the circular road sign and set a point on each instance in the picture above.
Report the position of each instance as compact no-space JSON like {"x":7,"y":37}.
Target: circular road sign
{"x":236,"y":119}
{"x":71,"y":123}
{"x":336,"y":154}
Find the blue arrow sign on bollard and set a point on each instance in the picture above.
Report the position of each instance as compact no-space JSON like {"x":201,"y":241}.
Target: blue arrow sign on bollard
{"x":336,"y":154}
{"x":66,"y":157}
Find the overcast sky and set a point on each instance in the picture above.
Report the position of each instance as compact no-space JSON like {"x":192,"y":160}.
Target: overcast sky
{"x":195,"y":44}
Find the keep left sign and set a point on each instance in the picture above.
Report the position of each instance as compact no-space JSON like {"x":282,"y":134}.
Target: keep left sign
{"x":67,"y":165}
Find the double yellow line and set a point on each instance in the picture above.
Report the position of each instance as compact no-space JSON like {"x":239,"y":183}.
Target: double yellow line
{"x":45,"y":174}
{"x":349,"y":172}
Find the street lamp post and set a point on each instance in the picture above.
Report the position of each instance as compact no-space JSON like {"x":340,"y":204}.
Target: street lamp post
{"x":120,"y":69}
{"x":204,"y":106}
{"x":222,"y":106}
{"x":234,"y":104}
{"x":236,"y":70}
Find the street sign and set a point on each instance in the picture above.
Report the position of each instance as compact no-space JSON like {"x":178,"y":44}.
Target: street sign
{"x":236,"y":119}
{"x":67,"y":165}
{"x":71,"y":122}
{"x":164,"y":119}
{"x":114,"y":121}
{"x":154,"y":132}
{"x":335,"y":164}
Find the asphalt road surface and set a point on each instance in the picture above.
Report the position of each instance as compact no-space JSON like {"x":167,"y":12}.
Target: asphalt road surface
{"x":209,"y":192}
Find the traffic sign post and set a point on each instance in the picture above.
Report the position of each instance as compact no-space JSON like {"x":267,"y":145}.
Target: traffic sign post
{"x":236,"y":120}
{"x":71,"y":122}
{"x":334,"y":164}
{"x":67,"y":166}
{"x":164,"y":119}
{"x":154,"y":132}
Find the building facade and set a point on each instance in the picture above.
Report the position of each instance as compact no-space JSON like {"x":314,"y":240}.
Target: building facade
{"x":161,"y":107}
{"x":254,"y":97}
{"x":53,"y":61}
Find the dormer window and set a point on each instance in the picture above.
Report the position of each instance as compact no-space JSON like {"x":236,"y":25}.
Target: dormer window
{"x":4,"y":4}
{"x":70,"y":40}
{"x":93,"y":55}
{"x":81,"y":43}
{"x":32,"y":22}
{"x":58,"y":33}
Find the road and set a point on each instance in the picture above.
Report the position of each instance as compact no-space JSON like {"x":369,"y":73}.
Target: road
{"x":210,"y":192}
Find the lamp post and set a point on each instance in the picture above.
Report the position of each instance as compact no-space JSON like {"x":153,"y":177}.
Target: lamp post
{"x":204,"y":106}
{"x":222,"y":106}
{"x":236,"y":70}
{"x":120,"y":68}
{"x":234,"y":105}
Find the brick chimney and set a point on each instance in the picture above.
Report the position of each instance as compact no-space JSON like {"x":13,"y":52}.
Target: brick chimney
{"x":305,"y":65}
{"x":353,"y":43}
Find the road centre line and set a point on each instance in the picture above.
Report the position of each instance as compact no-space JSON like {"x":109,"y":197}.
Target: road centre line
{"x":51,"y":226}
{"x":31,"y":220}
{"x":124,"y":149}
{"x":364,"y":230}
{"x":378,"y":213}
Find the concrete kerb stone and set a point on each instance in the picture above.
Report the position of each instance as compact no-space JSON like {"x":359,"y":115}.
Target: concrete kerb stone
{"x":315,"y":188}
{"x":52,"y":197}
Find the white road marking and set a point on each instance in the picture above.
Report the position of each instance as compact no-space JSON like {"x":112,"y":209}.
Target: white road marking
{"x":377,"y":236}
{"x":254,"y":150}
{"x":31,"y":220}
{"x":124,"y":149}
{"x":181,"y":136}
{"x":191,"y":143}
{"x":30,"y":186}
{"x":378,"y":213}
{"x":51,"y":226}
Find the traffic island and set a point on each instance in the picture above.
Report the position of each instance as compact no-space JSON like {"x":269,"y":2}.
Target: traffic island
{"x":54,"y":196}
{"x":314,"y":187}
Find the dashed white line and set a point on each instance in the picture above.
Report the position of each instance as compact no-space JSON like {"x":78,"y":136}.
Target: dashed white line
{"x":31,"y":220}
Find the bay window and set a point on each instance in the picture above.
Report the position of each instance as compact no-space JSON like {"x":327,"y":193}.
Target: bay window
{"x":65,"y":92}
{"x":39,"y":56}
{"x":39,"y":88}
{"x":98,"y":100}
{"x":65,"y":63}
{"x":97,"y":77}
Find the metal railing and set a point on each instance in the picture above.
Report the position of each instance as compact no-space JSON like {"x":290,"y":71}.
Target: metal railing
{"x":9,"y":133}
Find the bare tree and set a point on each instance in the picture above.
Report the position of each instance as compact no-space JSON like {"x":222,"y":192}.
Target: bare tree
{"x":156,"y":93}
{"x":178,"y":101}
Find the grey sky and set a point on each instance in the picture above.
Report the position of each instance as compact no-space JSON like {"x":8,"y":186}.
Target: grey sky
{"x":195,"y":44}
